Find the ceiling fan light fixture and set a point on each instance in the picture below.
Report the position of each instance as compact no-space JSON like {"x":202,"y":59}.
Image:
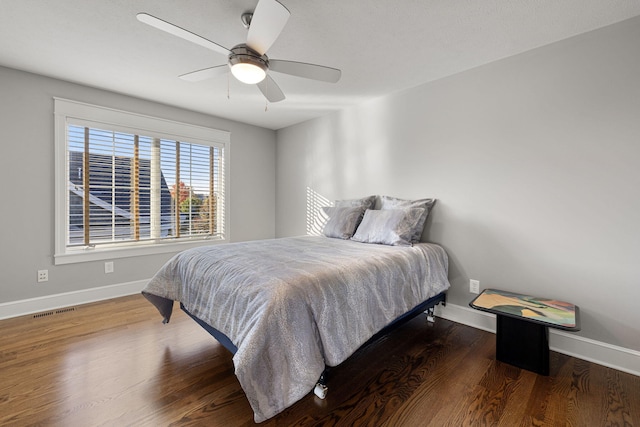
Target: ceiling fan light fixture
{"x":248,"y":73}
{"x":247,"y":66}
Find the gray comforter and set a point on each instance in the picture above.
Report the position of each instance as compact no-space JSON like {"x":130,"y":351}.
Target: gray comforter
{"x":293,"y":305}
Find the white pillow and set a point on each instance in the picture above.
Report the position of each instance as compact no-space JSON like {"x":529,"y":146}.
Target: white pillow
{"x":389,"y":227}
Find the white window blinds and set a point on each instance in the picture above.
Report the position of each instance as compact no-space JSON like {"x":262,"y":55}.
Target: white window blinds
{"x":125,"y":186}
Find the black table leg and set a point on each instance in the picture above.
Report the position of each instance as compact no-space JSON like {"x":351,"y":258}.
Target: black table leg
{"x":523,"y":344}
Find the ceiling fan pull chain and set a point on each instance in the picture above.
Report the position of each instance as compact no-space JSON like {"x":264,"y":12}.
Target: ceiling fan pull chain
{"x":266,"y":98}
{"x":228,"y":87}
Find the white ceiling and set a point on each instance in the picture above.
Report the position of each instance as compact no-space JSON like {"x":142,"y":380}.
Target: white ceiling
{"x":381,"y":46}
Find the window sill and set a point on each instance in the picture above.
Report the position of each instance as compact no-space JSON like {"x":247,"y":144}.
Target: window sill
{"x":101,"y":254}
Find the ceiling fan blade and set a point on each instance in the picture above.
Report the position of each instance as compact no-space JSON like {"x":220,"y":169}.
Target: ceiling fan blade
{"x":205,"y":73}
{"x":271,"y":90}
{"x":267,"y":22}
{"x":308,"y":71}
{"x":181,"y":32}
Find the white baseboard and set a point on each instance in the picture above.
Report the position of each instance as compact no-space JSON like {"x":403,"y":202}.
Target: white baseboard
{"x":52,"y":302}
{"x":620,"y":358}
{"x":612,"y":356}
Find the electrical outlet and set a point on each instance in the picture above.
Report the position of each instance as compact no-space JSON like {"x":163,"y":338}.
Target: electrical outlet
{"x":108,"y":267}
{"x":43,"y":276}
{"x":474,"y":286}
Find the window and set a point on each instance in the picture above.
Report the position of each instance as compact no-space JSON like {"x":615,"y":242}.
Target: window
{"x":128,"y":184}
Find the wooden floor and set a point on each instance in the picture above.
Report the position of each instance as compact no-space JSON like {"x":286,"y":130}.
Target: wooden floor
{"x":115,"y":364}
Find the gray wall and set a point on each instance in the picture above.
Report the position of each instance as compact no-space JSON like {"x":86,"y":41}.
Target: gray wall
{"x":27,"y":174}
{"x":535,"y":162}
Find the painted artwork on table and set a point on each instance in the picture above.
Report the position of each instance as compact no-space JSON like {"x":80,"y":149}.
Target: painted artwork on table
{"x":556,"y":313}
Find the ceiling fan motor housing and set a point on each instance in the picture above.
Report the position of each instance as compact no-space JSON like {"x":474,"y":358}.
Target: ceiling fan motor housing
{"x":243,"y":57}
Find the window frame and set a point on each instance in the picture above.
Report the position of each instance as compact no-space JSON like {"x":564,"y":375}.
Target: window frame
{"x":69,"y":111}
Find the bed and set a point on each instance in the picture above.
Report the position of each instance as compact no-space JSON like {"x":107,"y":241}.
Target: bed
{"x":289,"y":308}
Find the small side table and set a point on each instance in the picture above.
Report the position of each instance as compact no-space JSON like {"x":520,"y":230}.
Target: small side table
{"x":522,"y":326}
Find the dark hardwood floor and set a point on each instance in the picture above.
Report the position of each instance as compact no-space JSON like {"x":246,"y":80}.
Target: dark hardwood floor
{"x":114,"y":363}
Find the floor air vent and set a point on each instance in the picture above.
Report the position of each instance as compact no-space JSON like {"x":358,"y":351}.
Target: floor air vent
{"x":45,"y":314}
{"x":51,"y":313}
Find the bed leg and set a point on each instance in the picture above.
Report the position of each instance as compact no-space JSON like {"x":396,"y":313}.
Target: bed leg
{"x":431,"y":317}
{"x":321,"y":388}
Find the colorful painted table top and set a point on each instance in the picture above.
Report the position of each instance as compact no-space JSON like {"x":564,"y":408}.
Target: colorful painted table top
{"x":549,"y":312}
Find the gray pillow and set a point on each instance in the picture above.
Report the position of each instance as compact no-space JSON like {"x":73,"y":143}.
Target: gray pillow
{"x":387,"y":202}
{"x":389,"y":227}
{"x":365,"y":202}
{"x":342,"y":221}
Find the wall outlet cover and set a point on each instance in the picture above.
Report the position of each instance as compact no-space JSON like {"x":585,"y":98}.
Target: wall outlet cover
{"x":43,"y":276}
{"x":108,"y":267}
{"x":474,"y":286}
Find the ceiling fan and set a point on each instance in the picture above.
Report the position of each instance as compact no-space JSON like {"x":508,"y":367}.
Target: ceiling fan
{"x":248,"y":61}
